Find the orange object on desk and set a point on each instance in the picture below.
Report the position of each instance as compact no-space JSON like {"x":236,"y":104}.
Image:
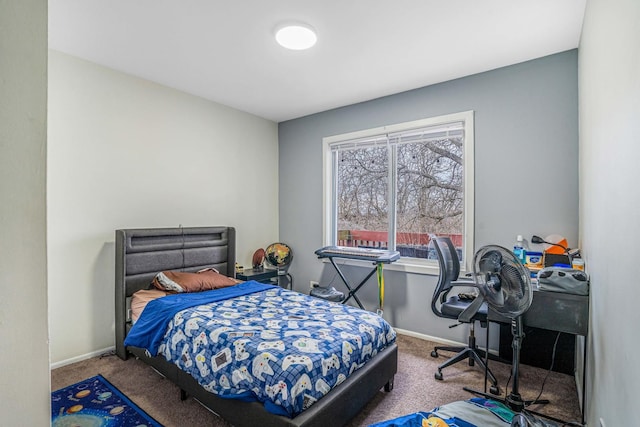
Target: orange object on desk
{"x":557,"y":240}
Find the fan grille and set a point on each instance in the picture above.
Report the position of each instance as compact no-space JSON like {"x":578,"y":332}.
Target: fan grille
{"x":503,"y":280}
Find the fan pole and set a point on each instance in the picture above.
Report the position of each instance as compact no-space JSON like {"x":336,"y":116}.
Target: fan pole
{"x":514,"y":400}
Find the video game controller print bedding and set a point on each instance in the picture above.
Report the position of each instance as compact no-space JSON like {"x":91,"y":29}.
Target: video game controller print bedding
{"x":279,"y":347}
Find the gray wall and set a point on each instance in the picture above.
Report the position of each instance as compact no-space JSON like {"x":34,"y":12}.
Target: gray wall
{"x":24,"y":348}
{"x":526,"y":171}
{"x":609,"y":70}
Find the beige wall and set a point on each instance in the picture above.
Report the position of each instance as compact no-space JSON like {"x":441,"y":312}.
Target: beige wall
{"x":24,"y":350}
{"x":127,"y":153}
{"x":609,"y":84}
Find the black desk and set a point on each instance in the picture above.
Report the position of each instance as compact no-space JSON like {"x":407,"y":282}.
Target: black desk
{"x":560,"y":312}
{"x":554,"y":311}
{"x":270,"y":276}
{"x":265,"y":275}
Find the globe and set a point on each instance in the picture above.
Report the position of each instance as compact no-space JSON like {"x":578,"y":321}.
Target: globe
{"x":278,"y":254}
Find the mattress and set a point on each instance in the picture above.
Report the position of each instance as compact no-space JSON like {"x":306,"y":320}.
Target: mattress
{"x":259,"y":342}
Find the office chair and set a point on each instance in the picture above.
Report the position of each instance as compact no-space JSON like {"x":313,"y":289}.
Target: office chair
{"x":450,"y":307}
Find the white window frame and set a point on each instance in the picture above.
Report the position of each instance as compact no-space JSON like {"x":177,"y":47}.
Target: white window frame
{"x":410,"y":265}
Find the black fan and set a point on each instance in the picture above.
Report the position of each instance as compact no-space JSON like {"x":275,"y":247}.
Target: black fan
{"x":505,"y":285}
{"x":502,"y":280}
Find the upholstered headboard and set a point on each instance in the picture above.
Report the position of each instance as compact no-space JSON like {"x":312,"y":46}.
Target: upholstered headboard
{"x":142,"y":253}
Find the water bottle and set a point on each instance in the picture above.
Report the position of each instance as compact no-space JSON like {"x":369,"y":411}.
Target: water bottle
{"x":519,"y":251}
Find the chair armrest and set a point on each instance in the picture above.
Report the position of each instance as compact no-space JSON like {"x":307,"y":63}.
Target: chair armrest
{"x":464,"y":282}
{"x":471,"y":310}
{"x":457,"y":283}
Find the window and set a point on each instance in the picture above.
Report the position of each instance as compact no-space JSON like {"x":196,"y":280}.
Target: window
{"x":395,"y":186}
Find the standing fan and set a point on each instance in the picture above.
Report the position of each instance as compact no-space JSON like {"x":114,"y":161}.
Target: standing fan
{"x":503,"y":281}
{"x":505,"y":285}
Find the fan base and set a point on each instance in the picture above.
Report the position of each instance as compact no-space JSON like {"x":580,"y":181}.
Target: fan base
{"x":515,"y":402}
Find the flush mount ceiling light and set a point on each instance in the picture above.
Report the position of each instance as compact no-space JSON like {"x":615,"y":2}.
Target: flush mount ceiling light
{"x":296,"y":36}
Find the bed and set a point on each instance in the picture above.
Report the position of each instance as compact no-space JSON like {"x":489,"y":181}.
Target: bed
{"x":142,"y":253}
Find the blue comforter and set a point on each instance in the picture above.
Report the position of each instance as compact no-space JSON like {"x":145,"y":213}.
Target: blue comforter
{"x":261,"y":342}
{"x":149,"y":330}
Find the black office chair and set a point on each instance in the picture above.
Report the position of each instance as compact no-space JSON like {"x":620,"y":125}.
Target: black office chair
{"x":451,"y":306}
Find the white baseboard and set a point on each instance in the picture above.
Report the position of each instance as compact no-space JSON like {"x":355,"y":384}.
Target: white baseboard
{"x":435,"y":339}
{"x":428,"y":337}
{"x":82,"y":357}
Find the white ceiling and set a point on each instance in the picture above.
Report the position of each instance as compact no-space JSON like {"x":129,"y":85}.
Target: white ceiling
{"x":225,"y":51}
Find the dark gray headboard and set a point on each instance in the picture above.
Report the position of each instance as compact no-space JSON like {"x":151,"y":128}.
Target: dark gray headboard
{"x":142,"y":253}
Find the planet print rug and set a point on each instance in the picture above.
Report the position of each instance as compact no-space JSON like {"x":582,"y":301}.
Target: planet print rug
{"x":95,"y":402}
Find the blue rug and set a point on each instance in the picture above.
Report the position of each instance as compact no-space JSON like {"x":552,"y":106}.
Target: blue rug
{"x":95,"y":402}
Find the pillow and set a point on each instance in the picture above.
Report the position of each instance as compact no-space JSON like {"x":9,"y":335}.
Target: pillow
{"x":203,"y":280}
{"x":140,"y":299}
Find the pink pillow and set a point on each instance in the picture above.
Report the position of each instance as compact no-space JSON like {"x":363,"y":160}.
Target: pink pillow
{"x":140,"y":299}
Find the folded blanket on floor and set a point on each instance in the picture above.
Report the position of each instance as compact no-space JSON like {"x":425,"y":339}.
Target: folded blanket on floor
{"x":476,"y":412}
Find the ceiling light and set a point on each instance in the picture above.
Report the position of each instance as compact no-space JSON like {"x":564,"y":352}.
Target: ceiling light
{"x":296,"y":36}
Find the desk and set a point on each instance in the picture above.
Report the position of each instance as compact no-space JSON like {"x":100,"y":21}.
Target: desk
{"x":264,"y":275}
{"x":270,"y":276}
{"x":561,"y":312}
{"x":554,"y":311}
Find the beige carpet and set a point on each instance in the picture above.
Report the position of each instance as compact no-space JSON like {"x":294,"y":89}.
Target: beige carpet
{"x":415,"y":388}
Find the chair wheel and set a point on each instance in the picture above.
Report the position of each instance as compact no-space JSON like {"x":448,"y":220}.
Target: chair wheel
{"x":495,"y":390}
{"x":438,"y":376}
{"x":434,"y":353}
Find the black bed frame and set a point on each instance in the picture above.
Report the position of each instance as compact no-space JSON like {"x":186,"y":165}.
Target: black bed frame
{"x":142,"y":253}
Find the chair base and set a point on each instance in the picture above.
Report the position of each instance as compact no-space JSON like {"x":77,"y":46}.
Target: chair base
{"x":480,"y":352}
{"x":474,"y":355}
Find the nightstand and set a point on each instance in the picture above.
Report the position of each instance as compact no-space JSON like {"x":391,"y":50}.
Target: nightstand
{"x":266,"y":275}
